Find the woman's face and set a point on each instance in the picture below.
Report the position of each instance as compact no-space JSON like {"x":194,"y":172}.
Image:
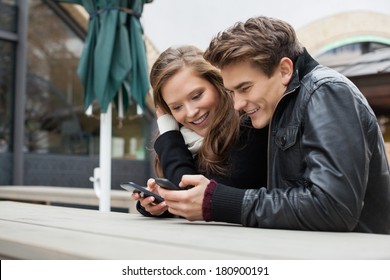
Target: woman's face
{"x":191,"y":99}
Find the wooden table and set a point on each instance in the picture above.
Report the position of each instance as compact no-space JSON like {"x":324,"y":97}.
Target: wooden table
{"x":33,"y":231}
{"x":64,"y":195}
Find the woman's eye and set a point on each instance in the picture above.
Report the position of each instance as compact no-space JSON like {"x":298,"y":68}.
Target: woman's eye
{"x":197,"y":96}
{"x":175,"y":108}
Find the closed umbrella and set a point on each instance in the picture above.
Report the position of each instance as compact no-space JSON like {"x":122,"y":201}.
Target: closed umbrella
{"x":112,"y":67}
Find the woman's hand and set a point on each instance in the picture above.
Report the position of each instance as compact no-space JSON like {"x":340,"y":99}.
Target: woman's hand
{"x":187,"y":203}
{"x":148,"y":202}
{"x":160,"y":112}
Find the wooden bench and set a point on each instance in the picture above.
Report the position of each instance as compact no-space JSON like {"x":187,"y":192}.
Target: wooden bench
{"x":64,"y":195}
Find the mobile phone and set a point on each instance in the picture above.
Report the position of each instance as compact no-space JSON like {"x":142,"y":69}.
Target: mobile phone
{"x":143,"y":191}
{"x":166,"y":184}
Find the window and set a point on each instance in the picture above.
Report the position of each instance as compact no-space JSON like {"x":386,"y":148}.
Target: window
{"x":55,"y":113}
{"x":8,"y":16}
{"x":54,"y":92}
{"x":7,"y":55}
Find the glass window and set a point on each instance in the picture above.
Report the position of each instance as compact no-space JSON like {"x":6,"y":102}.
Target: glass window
{"x":54,"y":91}
{"x":55,"y":115}
{"x":7,"y":58}
{"x":8,"y":15}
{"x":7,"y":70}
{"x":340,"y":56}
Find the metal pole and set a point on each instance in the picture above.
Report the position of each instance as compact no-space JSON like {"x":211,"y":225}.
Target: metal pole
{"x":20,"y":94}
{"x":105,"y":159}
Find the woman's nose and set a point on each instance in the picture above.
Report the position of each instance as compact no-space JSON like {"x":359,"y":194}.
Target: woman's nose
{"x":192,"y":111}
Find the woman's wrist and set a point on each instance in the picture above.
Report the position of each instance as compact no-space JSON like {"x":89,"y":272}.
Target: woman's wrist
{"x":167,"y":123}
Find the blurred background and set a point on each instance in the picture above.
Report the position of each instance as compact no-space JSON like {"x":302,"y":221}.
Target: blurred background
{"x":47,"y":139}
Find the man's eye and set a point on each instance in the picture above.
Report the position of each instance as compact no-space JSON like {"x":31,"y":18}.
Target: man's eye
{"x":245,"y":89}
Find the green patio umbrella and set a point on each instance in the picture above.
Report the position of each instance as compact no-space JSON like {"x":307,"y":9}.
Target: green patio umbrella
{"x":114,"y":56}
{"x":112,"y":68}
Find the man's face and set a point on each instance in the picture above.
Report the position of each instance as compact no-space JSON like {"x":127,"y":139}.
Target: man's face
{"x":255,"y":93}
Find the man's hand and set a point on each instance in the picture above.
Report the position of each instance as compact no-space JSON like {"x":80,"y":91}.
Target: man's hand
{"x":187,"y":203}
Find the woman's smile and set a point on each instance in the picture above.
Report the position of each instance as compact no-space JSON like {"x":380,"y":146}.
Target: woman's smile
{"x":201,"y":120}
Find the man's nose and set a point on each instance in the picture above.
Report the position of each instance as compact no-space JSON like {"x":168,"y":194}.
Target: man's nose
{"x":239,"y":103}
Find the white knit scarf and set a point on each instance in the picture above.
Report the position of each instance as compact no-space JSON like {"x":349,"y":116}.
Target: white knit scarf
{"x":192,"y":139}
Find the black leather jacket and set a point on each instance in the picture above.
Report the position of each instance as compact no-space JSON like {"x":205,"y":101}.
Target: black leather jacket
{"x":327,"y":166}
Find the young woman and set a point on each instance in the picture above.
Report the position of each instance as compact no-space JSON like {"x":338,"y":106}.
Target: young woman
{"x":199,"y":130}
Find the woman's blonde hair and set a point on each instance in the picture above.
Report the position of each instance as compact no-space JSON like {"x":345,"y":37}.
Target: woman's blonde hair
{"x":224,"y":129}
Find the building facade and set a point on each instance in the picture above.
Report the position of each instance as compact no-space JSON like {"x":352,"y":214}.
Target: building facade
{"x":45,"y":136}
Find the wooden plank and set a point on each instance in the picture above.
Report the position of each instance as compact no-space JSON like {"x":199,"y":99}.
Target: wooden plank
{"x":67,"y":195}
{"x":29,"y":241}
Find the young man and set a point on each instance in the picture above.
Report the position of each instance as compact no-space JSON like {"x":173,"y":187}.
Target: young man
{"x":327,"y":166}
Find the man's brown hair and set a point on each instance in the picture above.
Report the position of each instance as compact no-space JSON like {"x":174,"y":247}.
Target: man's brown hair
{"x":263,"y":41}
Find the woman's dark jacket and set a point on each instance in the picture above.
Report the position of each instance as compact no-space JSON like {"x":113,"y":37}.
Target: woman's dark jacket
{"x":327,"y":165}
{"x":247,"y":167}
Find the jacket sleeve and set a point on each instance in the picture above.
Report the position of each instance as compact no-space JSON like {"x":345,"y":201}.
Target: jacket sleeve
{"x":175,"y":158}
{"x":332,"y":160}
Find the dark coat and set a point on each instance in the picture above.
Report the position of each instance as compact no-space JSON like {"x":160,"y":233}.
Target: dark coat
{"x":247,"y":167}
{"x":247,"y":160}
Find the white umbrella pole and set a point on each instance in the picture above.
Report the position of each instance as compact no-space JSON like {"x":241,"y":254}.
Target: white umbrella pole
{"x":105,"y":159}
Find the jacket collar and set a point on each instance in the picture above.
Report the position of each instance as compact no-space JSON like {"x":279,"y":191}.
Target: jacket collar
{"x":302,"y":65}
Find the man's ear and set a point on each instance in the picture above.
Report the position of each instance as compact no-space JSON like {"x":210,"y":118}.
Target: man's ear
{"x":286,"y":70}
